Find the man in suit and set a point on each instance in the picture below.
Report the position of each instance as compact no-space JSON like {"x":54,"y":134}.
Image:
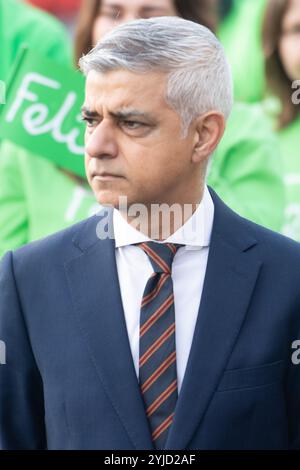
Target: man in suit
{"x":171,"y":329}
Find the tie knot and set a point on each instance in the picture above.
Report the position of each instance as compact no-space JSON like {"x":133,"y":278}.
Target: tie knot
{"x":161,"y":255}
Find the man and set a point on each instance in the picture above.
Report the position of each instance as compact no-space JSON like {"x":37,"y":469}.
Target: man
{"x":127,"y":332}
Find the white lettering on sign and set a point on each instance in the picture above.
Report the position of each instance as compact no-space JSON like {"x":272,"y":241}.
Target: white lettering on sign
{"x":35,"y":117}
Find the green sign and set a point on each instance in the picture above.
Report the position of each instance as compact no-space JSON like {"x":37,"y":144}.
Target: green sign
{"x":42,"y":111}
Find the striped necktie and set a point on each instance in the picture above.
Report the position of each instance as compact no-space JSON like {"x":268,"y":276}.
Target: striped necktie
{"x":157,"y":356}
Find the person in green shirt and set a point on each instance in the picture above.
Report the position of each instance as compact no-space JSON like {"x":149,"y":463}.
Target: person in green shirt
{"x":28,"y":210}
{"x":36,"y":198}
{"x":240,"y":33}
{"x":245,"y":170}
{"x":23,"y":25}
{"x":281,"y":40}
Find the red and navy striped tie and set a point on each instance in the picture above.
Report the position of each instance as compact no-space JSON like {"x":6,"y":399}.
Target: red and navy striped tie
{"x":157,"y":356}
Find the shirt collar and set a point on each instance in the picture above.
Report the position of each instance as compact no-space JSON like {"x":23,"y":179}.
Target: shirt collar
{"x":194,"y":234}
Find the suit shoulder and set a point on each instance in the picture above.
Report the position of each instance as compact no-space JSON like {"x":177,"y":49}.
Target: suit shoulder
{"x":243,"y":233}
{"x":273,"y":243}
{"x":54,"y":245}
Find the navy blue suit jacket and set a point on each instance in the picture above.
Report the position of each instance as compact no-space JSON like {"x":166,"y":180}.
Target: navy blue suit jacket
{"x":69,"y":381}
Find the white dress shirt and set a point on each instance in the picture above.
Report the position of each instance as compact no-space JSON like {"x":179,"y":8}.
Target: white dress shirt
{"x":188,"y":272}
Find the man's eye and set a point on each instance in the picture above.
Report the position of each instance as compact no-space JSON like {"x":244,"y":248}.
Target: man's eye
{"x":132,"y":125}
{"x":89,"y":121}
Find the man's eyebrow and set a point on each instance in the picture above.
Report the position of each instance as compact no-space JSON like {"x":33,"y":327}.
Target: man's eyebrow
{"x":132,"y":113}
{"x":123,"y":115}
{"x":88,"y":112}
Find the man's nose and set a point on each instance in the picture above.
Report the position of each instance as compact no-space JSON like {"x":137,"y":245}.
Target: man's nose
{"x":101,"y":143}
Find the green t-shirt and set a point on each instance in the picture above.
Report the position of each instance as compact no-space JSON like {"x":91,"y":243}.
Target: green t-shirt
{"x":21,"y":24}
{"x":29,"y":184}
{"x":289,"y":139}
{"x":246,"y":169}
{"x":36,"y":198}
{"x":240,"y":33}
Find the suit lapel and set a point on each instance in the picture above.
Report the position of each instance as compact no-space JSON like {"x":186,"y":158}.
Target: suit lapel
{"x":232,"y":270}
{"x":94,"y":287}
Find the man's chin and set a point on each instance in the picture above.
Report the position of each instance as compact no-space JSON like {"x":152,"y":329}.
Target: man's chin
{"x":109,"y":199}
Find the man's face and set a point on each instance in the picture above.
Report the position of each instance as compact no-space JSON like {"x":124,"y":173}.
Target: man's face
{"x":134,"y":144}
{"x":114,"y":12}
{"x":289,"y":45}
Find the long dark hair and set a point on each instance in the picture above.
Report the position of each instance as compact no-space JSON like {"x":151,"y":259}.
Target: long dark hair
{"x":204,"y":12}
{"x":277,"y":79}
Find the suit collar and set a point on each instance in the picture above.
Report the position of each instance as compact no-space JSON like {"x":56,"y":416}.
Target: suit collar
{"x":195,"y":233}
{"x":230,"y":227}
{"x":96,"y":229}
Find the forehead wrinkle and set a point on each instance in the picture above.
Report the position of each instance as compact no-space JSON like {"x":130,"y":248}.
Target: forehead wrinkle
{"x":116,"y":94}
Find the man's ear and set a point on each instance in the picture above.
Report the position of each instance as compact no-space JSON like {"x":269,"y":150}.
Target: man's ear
{"x":209,"y":129}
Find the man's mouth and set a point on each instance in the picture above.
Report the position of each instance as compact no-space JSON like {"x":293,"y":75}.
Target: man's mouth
{"x":105,"y":176}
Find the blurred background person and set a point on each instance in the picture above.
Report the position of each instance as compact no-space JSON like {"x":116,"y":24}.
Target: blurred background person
{"x":281,"y":40}
{"x":240,"y":33}
{"x":36,"y":197}
{"x":245,"y":170}
{"x":98,"y":17}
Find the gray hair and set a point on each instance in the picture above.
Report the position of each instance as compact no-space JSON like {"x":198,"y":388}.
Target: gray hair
{"x":199,"y":76}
